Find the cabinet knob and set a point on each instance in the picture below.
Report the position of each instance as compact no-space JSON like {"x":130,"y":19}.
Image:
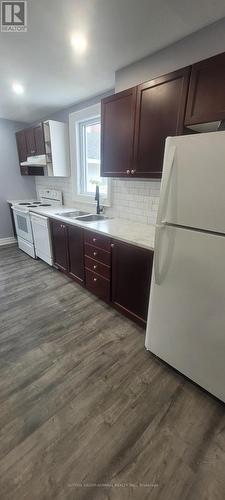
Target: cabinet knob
{"x":133,"y":171}
{"x":95,"y":267}
{"x":94,"y":239}
{"x":95,"y":253}
{"x":128,"y":172}
{"x":112,"y":245}
{"x":94,"y":279}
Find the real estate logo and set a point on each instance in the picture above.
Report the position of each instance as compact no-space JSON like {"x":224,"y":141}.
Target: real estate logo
{"x":14,"y":16}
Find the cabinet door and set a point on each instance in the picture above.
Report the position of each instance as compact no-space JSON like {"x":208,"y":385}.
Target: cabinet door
{"x":21,"y":145}
{"x":30,"y":142}
{"x":131,"y":276}
{"x":39,"y":140}
{"x":160,"y":113}
{"x":59,"y":245}
{"x":206,"y":96}
{"x":76,"y":252}
{"x":117,"y":133}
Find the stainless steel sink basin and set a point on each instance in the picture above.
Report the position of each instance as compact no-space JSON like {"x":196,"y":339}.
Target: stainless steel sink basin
{"x":73,"y":214}
{"x":92,"y":218}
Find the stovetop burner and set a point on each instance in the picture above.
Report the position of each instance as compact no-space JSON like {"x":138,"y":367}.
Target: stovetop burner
{"x":25,"y":204}
{"x":33,"y":205}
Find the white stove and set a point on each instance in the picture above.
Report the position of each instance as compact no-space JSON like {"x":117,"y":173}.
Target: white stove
{"x":22,"y":217}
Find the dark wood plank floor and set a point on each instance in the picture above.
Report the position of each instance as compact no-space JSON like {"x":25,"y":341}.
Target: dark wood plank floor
{"x":85,"y":411}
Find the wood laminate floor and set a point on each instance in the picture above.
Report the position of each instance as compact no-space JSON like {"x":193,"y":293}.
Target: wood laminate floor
{"x":85,"y":412}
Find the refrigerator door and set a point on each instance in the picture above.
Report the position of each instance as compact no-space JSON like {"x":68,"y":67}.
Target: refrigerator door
{"x":186,"y":318}
{"x":193,"y":185}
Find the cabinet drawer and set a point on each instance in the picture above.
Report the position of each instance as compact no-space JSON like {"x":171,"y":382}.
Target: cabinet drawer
{"x":97,"y":285}
{"x":98,"y":254}
{"x":97,"y":267}
{"x":98,"y":240}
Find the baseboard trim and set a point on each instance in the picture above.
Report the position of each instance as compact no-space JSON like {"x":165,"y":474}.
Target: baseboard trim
{"x":7,"y":241}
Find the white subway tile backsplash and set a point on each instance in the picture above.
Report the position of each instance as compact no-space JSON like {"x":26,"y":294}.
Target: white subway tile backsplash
{"x":135,"y":200}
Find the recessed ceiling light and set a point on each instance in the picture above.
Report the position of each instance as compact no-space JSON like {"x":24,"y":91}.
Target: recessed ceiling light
{"x":79,"y":43}
{"x":18,"y":88}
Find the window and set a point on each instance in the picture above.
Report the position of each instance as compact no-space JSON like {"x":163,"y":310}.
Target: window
{"x":85,"y":137}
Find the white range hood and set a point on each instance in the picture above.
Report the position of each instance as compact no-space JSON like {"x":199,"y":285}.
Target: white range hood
{"x":35,"y":161}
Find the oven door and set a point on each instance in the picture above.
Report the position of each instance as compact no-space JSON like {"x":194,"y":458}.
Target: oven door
{"x":23,"y":225}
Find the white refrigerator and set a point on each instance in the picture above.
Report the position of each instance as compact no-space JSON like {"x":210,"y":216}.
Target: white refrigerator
{"x":186,"y":317}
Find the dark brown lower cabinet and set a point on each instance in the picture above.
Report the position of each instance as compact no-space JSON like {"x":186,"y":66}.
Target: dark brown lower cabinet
{"x":131,"y":277}
{"x":75,"y":252}
{"x":68,"y":249}
{"x":59,"y":245}
{"x":117,"y":272}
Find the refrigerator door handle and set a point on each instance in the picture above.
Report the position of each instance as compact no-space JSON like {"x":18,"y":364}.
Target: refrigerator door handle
{"x":168,"y":168}
{"x":158,"y":229}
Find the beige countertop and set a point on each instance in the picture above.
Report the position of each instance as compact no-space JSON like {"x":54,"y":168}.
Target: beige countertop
{"x":142,"y":235}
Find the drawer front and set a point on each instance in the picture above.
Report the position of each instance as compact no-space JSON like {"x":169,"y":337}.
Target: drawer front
{"x":97,"y":267}
{"x":97,"y":240}
{"x":98,"y":254}
{"x":97,"y":285}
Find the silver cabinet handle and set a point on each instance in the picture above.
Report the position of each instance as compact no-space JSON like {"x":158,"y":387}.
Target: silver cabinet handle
{"x":94,"y":267}
{"x":112,"y":245}
{"x":133,"y":171}
{"x":95,"y":253}
{"x":94,"y":279}
{"x":128,"y":172}
{"x":94,"y":239}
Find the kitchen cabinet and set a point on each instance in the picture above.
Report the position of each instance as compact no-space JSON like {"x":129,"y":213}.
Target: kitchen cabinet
{"x":75,"y":252}
{"x":30,"y":142}
{"x":206,"y":96}
{"x":59,"y":245}
{"x":21,"y":145}
{"x":131,"y":277}
{"x":35,"y":141}
{"x":160,"y":113}
{"x":117,"y":133}
{"x":136,"y":122}
{"x":39,"y":140}
{"x":49,"y":138}
{"x":116,"y":272}
{"x":98,"y":264}
{"x":68,"y":249}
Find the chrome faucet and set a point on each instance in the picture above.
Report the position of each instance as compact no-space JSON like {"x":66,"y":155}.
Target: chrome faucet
{"x":98,"y":209}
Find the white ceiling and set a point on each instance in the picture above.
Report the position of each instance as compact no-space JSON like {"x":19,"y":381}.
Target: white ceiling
{"x":119,"y":32}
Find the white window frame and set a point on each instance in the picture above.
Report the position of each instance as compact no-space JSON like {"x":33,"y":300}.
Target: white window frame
{"x":74,"y":121}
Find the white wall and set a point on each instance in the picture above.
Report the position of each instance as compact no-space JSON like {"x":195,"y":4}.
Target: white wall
{"x":12,"y":184}
{"x":204,"y":43}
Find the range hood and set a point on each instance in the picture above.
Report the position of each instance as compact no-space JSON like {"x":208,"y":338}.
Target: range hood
{"x":208,"y":127}
{"x":35,"y":161}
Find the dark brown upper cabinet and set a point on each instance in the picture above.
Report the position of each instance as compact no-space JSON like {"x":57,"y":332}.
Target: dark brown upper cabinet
{"x":136,"y":122}
{"x":35,"y":141}
{"x":206,"y":96}
{"x":117,"y":133}
{"x":75,"y":252}
{"x":30,"y":141}
{"x":160,"y":113}
{"x":21,"y":145}
{"x":39,"y":139}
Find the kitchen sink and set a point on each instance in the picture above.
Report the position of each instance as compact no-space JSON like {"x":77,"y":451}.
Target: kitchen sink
{"x":72,"y":215}
{"x":92,"y":218}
